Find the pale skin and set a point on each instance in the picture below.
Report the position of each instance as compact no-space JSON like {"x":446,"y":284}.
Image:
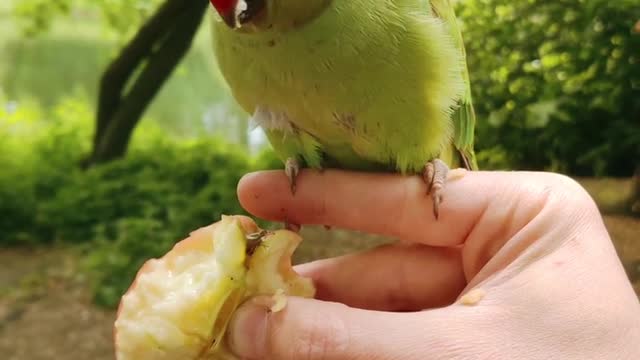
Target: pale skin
{"x":519,"y":266}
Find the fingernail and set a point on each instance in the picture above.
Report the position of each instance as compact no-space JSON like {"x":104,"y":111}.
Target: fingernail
{"x":248,"y":331}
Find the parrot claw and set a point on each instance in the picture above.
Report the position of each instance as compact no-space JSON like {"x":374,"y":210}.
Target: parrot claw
{"x":292,"y":168}
{"x":435,"y":176}
{"x":292,"y":227}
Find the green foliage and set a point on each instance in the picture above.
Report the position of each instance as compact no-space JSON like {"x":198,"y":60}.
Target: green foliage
{"x":72,"y":51}
{"x":556,"y":83}
{"x":38,"y":14}
{"x":180,"y":184}
{"x":36,"y":159}
{"x":48,"y":67}
{"x":72,"y":58}
{"x":113,"y":262}
{"x":126,"y":211}
{"x":123,"y":16}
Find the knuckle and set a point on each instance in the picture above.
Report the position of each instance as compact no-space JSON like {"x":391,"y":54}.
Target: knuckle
{"x":569,"y":193}
{"x":321,"y":336}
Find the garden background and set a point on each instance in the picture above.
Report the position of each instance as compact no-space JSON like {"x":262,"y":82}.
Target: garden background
{"x":556,"y":83}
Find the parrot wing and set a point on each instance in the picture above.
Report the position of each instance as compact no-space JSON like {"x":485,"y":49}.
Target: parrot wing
{"x":464,"y":117}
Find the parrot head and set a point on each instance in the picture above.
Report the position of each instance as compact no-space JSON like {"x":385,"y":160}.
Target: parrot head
{"x":236,"y":13}
{"x":267,"y":14}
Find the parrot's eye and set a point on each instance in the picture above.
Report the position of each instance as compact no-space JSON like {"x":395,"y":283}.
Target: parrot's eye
{"x":249,"y":9}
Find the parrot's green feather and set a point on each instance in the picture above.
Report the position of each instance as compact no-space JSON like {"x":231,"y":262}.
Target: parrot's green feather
{"x":464,"y":117}
{"x":301,"y":146}
{"x":363,"y":84}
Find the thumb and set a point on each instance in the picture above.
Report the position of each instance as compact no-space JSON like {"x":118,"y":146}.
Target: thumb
{"x":308,"y":329}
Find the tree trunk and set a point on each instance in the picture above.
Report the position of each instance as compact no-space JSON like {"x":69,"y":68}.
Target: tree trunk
{"x":155,"y":51}
{"x":635,"y":192}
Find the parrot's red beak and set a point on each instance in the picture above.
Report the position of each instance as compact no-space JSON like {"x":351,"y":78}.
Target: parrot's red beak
{"x":227,"y":11}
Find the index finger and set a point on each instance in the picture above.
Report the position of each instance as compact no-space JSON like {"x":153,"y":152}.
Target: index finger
{"x":397,"y":206}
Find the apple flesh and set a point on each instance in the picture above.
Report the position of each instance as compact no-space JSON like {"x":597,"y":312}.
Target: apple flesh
{"x":179,"y":306}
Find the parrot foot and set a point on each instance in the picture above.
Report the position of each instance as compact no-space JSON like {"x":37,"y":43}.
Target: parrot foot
{"x":435,"y":176}
{"x":292,"y":227}
{"x":292,"y":168}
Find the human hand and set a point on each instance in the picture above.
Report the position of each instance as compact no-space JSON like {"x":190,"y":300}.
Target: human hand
{"x":519,"y":266}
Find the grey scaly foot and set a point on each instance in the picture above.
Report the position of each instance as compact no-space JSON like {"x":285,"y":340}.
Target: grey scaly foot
{"x":435,"y":176}
{"x":292,"y":227}
{"x":292,"y":169}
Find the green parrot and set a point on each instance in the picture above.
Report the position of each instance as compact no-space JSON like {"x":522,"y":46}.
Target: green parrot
{"x":365,"y":85}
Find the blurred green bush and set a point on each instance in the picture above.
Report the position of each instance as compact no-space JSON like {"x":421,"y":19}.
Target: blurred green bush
{"x":556,"y":83}
{"x":126,"y":211}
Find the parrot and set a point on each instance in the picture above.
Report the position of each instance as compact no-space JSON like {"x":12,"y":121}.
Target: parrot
{"x":361,"y":85}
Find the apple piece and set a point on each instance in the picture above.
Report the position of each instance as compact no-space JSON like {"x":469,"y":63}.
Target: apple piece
{"x":179,"y":306}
